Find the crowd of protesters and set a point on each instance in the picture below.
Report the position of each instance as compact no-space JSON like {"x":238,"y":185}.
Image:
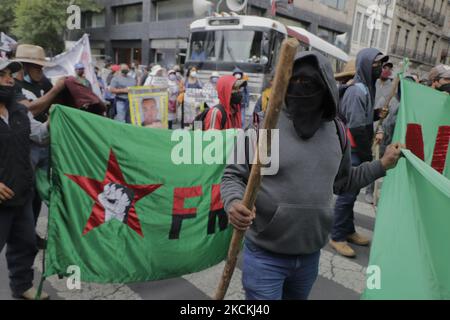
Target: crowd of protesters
{"x":316,"y":107}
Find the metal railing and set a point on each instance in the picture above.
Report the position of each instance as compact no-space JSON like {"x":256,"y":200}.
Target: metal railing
{"x":429,"y":59}
{"x":418,"y":56}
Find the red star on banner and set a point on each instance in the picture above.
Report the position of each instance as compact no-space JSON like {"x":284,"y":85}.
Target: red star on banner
{"x":113,"y":177}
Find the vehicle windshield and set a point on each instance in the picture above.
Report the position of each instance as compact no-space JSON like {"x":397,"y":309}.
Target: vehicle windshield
{"x":243,"y":46}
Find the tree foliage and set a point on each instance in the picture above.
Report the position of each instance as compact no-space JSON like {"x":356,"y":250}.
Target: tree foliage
{"x":44,"y":22}
{"x":7,"y":15}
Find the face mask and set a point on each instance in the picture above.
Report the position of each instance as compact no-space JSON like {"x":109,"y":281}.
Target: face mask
{"x":306,"y":113}
{"x":27,"y":78}
{"x":386,"y":73}
{"x":125,"y":72}
{"x":194,"y":74}
{"x":376,"y":72}
{"x":238,"y":76}
{"x":304,"y":100}
{"x":172,"y":77}
{"x":236,"y":98}
{"x":445,"y":88}
{"x":6,"y":94}
{"x":214,"y":80}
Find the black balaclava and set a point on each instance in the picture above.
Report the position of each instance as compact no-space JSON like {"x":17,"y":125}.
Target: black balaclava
{"x":304,"y":99}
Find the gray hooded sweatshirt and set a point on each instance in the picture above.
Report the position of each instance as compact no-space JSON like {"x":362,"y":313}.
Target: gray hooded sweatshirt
{"x":357,"y":104}
{"x":294,"y":207}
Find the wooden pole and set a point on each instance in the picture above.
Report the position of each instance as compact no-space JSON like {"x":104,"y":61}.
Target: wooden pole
{"x":282,"y":76}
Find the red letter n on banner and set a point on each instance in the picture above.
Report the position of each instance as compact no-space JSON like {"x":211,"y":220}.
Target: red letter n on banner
{"x":441,"y":149}
{"x":216,"y":211}
{"x":414,"y":142}
{"x":179,"y":212}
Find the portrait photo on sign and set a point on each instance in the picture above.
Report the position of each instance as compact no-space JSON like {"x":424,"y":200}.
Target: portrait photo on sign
{"x":149,"y":108}
{"x":150,"y":112}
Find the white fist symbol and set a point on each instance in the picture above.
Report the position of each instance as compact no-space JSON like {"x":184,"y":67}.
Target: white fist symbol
{"x":115,"y":201}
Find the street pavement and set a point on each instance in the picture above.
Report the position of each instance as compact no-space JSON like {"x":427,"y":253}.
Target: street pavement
{"x":339,"y":278}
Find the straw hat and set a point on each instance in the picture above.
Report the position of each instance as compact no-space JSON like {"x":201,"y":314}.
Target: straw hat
{"x":27,"y":53}
{"x":349,"y":70}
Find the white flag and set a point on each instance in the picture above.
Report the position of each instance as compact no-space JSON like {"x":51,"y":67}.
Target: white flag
{"x":65,"y":63}
{"x":6,"y":44}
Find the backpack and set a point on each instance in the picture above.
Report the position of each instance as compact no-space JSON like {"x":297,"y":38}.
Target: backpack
{"x":342,"y":89}
{"x":202,"y":116}
{"x":340,"y":116}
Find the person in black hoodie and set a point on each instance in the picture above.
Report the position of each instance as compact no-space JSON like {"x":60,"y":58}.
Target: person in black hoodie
{"x":357,"y":107}
{"x":16,"y":186}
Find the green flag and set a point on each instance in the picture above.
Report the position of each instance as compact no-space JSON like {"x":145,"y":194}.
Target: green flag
{"x":410,"y":258}
{"x":126,"y":203}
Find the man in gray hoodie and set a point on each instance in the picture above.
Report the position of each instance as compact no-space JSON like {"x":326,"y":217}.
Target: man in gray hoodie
{"x":294,"y":207}
{"x":357,"y":106}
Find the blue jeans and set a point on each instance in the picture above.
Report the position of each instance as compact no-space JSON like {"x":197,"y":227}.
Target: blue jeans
{"x":270,"y":276}
{"x":343,"y":211}
{"x":122,"y":111}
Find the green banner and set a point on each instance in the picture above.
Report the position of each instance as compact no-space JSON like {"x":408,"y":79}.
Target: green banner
{"x":410,"y":256}
{"x":132,"y":204}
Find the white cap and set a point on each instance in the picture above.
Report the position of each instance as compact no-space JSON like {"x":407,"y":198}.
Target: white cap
{"x":155,"y":70}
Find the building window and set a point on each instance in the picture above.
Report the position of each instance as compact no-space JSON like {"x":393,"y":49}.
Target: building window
{"x":128,"y":55}
{"x":384,"y":35}
{"x":128,"y":14}
{"x":426,"y":45}
{"x":365,"y":31}
{"x":397,"y":36}
{"x":416,"y":45}
{"x":174,"y":9}
{"x":337,"y":4}
{"x":444,"y":54}
{"x":357,"y":25}
{"x":434,"y":5}
{"x":94,"y":19}
{"x":432,"y":48}
{"x":442,"y":4}
{"x":406,"y":41}
{"x":374,"y":39}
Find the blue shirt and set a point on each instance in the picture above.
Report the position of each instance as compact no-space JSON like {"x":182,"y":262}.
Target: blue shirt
{"x":198,"y":56}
